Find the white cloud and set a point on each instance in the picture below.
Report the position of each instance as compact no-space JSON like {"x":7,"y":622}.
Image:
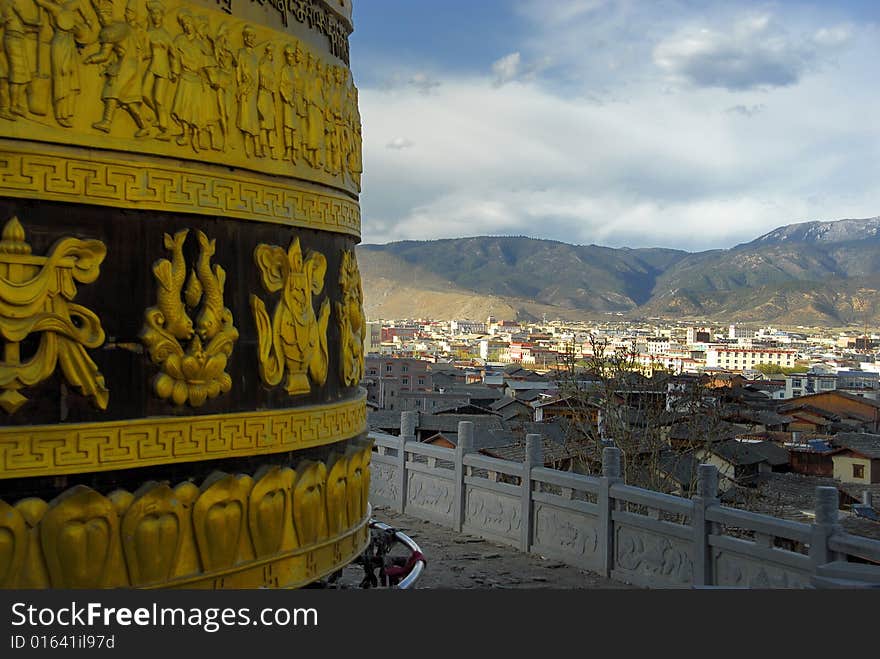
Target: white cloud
{"x":506,"y":68}
{"x":400,"y":143}
{"x":648,"y":163}
{"x":746,"y":110}
{"x":754,"y":51}
{"x":512,"y":68}
{"x":559,"y":12}
{"x":424,"y":83}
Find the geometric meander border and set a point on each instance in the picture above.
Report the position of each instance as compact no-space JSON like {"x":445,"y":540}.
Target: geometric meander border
{"x":91,"y":447}
{"x":56,"y":174}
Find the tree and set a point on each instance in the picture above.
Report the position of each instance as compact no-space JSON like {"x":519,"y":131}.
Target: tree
{"x":615,"y":400}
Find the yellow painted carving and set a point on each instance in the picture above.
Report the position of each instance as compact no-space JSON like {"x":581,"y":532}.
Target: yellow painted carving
{"x":337,"y":501}
{"x":147,"y":183}
{"x":79,"y":535}
{"x":34,"y":573}
{"x":295,"y":340}
{"x":220,"y":520}
{"x":243,"y":531}
{"x":195,"y":318}
{"x":358,"y":482}
{"x":36,"y":299}
{"x":352,"y":321}
{"x":181,"y":80}
{"x":309,"y":502}
{"x":188,"y":561}
{"x":270,"y":515}
{"x":152,"y":533}
{"x":92,"y":447}
{"x":13,"y":544}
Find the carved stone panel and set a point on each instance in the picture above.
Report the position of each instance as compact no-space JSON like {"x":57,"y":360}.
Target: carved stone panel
{"x":736,"y":570}
{"x":433,"y":495}
{"x":569,"y":533}
{"x":493,"y":512}
{"x":383,"y":483}
{"x":647,"y":557}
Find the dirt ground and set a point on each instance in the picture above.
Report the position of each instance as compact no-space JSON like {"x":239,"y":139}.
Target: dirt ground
{"x":462,"y":561}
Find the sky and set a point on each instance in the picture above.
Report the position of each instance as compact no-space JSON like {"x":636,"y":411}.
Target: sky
{"x":626,"y":123}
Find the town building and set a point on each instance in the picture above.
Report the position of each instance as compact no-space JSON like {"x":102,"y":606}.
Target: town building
{"x":740,"y":358}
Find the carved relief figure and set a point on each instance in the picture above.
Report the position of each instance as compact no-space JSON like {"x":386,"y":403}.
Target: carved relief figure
{"x":287,"y":92}
{"x":332,"y":121}
{"x":187,"y":61}
{"x":315,"y":99}
{"x":300,"y":75}
{"x":355,"y":157}
{"x":342,"y":119}
{"x":352,"y":321}
{"x":210,"y":118}
{"x":295,"y":340}
{"x":197,"y":372}
{"x":17,"y":22}
{"x":223,"y":74}
{"x":266,"y":102}
{"x":121,"y":54}
{"x":158,"y":75}
{"x":186,"y":82}
{"x":247,"y":75}
{"x":36,"y":298}
{"x":70,"y":25}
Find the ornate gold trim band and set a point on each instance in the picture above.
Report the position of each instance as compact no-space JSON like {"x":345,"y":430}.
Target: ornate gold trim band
{"x":277,"y":528}
{"x":90,"y":447}
{"x":59,"y":174}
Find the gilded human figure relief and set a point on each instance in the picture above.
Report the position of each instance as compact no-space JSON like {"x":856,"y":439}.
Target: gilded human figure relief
{"x":187,"y":61}
{"x":288,"y":93}
{"x":247,"y":76}
{"x":36,"y":302}
{"x":189,"y":334}
{"x":352,"y":321}
{"x":177,"y":80}
{"x":266,"y":102}
{"x":158,"y":77}
{"x":294,"y":340}
{"x":120,"y":52}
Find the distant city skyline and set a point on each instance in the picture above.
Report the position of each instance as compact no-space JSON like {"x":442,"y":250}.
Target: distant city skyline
{"x":670,"y":123}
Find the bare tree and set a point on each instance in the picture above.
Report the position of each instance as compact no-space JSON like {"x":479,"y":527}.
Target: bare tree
{"x":613,"y":399}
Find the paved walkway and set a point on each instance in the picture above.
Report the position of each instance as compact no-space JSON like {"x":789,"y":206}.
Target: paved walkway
{"x":461,"y":561}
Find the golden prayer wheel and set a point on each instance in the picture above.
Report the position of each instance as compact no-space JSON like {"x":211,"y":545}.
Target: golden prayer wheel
{"x":181,"y":314}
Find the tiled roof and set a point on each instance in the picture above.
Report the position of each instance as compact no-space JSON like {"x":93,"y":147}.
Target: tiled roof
{"x":863,"y":443}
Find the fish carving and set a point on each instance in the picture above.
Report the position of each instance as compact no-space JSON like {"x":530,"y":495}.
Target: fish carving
{"x":171,"y":275}
{"x":192,"y":356}
{"x":210,"y":318}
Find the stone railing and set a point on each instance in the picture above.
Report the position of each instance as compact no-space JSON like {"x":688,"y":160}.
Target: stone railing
{"x":627,"y":533}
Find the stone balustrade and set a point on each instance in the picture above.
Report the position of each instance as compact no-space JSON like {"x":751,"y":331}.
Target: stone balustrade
{"x":598,"y":523}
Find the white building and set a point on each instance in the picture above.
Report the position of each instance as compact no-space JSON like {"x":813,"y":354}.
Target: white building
{"x":467,"y":327}
{"x":738,"y":359}
{"x":739,"y":332}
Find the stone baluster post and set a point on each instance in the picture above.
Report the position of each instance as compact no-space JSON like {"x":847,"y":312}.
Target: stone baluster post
{"x":534,"y":458}
{"x":827,"y":524}
{"x":610,"y":476}
{"x":409,"y":421}
{"x":706,"y":496}
{"x":465,"y":445}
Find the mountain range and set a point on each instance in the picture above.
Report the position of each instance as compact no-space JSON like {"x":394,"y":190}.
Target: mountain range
{"x":809,"y":274}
